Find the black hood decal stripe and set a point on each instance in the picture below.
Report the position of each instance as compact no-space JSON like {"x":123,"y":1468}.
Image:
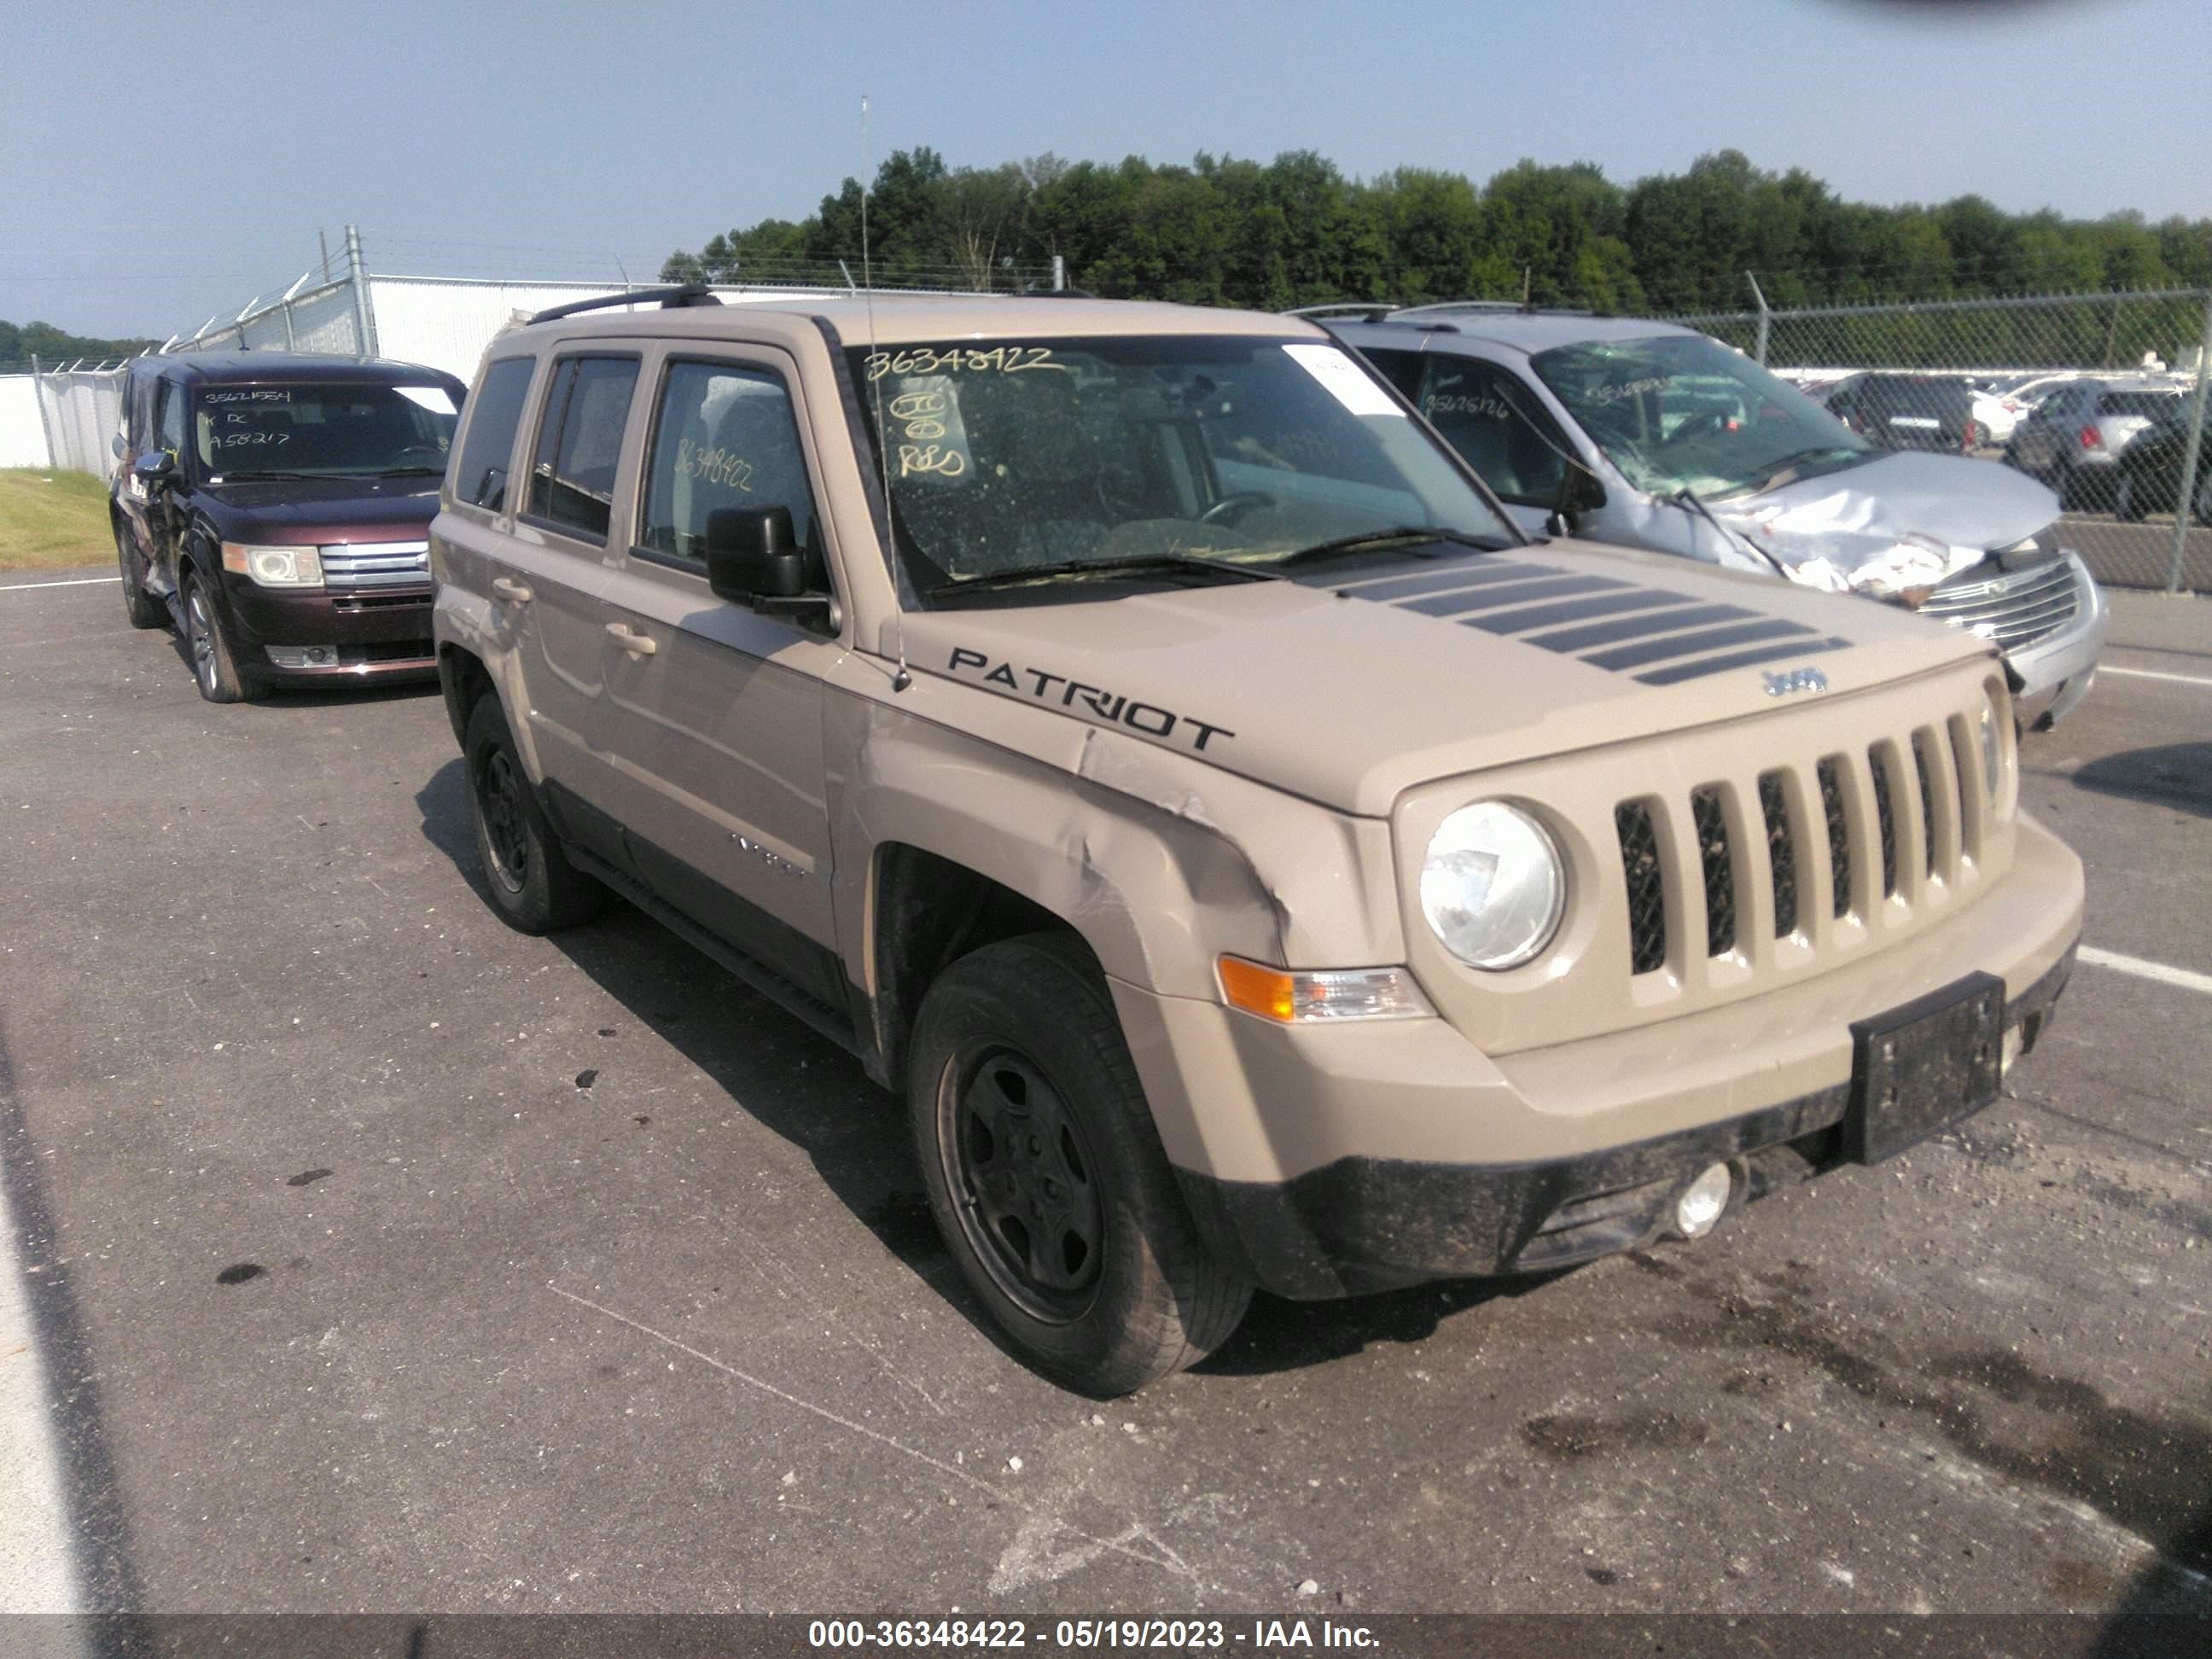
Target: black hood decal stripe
{"x":1669,"y":637}
{"x":1635,"y":628}
{"x":1689,"y":645}
{"x":1551,"y":585}
{"x":1699,"y":670}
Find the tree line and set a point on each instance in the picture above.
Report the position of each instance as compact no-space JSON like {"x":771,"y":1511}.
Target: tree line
{"x":1296,"y":231}
{"x":54,"y":349}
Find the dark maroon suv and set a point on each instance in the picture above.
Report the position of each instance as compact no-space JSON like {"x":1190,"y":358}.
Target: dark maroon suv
{"x":274,"y":510}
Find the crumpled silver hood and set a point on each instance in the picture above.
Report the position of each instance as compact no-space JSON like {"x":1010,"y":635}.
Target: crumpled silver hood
{"x":1902,"y":520}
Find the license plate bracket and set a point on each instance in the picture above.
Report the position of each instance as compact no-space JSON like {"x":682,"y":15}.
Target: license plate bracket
{"x":1922,"y":1067}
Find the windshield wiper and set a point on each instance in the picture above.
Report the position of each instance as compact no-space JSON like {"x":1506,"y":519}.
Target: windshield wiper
{"x":1687,"y":500}
{"x":1785,"y":470}
{"x":258,"y":473}
{"x":410,"y":472}
{"x":1148,"y":564}
{"x":1391,"y":540}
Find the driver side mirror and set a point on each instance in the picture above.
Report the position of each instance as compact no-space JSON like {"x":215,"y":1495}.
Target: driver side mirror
{"x":751,"y":554}
{"x":155,"y":469}
{"x":1579,"y":493}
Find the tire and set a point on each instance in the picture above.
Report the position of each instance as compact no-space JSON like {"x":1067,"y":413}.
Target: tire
{"x":142,"y":609}
{"x":532,"y":885}
{"x":1021,"y":1096}
{"x":2127,"y":506}
{"x":215,"y":666}
{"x":1979,"y":437}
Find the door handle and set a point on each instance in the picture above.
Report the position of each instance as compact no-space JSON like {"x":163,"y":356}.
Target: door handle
{"x":508,"y":588}
{"x":636,"y":644}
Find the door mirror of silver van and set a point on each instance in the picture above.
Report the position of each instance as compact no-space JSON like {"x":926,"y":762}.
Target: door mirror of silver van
{"x":751,"y":554}
{"x":1579,"y":493}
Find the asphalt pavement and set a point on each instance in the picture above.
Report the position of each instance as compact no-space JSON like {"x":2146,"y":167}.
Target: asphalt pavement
{"x":376,"y":1257}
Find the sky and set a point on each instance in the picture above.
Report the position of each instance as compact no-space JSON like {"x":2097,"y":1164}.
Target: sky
{"x":161,"y":162}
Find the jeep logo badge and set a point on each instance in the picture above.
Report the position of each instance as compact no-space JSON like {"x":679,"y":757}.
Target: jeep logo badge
{"x":1797,"y":680}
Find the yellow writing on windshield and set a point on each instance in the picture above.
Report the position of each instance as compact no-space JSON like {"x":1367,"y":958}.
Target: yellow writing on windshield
{"x":715,"y":465}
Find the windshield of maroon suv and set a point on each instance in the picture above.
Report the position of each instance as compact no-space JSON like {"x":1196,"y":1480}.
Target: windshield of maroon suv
{"x":1681,"y":411}
{"x":1101,"y":451}
{"x":330,"y":431}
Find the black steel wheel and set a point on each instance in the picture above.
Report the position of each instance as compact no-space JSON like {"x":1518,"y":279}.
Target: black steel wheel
{"x":533,"y":886}
{"x":1046,"y":1174}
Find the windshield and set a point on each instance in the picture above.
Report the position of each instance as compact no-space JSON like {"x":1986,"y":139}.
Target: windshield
{"x":322,"y":431}
{"x":1092,"y":450}
{"x":1680,"y":411}
{"x":2151,"y":405}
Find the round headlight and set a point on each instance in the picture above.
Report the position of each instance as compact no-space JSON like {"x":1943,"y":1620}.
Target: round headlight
{"x":1493,"y":886}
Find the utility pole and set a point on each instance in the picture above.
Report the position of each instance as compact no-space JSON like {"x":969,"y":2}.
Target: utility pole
{"x":2193,"y":457}
{"x":1765,"y":318}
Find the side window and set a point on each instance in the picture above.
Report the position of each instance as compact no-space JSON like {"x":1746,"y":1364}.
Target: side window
{"x":486,"y":454}
{"x":170,"y":435}
{"x":1401,"y":368}
{"x":1492,"y":419}
{"x":725,"y":436}
{"x":572,"y":482}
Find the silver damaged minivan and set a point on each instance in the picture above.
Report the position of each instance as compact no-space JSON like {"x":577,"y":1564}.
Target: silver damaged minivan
{"x":1654,"y":435}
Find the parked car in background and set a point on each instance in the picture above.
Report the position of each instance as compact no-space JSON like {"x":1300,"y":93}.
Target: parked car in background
{"x":1133,"y":735}
{"x":1907,"y":411}
{"x":1995,"y":416}
{"x":2149,"y":470}
{"x":1653,"y":435}
{"x":274,"y":510}
{"x":2075,"y":439}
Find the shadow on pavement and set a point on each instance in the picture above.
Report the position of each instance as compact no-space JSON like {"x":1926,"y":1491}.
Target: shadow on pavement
{"x":2173,"y":774}
{"x":814,"y":1095}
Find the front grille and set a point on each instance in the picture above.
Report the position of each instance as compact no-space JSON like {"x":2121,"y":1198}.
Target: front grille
{"x":2012,"y":607}
{"x":1885,"y":822}
{"x":1720,"y":875}
{"x":388,"y":650}
{"x":1914,"y":822}
{"x":357,"y":602}
{"x":1839,"y":835}
{"x":1647,"y":887}
{"x":1780,"y":853}
{"x":375,"y":564}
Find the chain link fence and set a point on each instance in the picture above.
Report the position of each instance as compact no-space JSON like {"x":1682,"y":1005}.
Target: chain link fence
{"x":2101,"y":396}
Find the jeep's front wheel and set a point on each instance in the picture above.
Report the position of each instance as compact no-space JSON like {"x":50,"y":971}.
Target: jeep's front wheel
{"x":1047,"y":1175}
{"x":533,"y":886}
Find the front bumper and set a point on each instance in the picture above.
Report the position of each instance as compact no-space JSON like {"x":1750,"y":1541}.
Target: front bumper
{"x":1328,"y":1162}
{"x":379,"y":634}
{"x":1363,"y":1225}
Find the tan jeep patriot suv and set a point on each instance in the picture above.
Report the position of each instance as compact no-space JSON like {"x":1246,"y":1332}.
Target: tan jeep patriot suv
{"x":1135,"y":734}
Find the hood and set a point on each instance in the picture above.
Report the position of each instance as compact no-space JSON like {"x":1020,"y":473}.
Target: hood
{"x":1349,"y":690}
{"x":1905,"y":519}
{"x":323,"y":509}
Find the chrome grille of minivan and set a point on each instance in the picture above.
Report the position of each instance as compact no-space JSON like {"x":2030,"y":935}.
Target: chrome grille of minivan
{"x":1811,"y":824}
{"x":375,"y":564}
{"x":2012,"y":607}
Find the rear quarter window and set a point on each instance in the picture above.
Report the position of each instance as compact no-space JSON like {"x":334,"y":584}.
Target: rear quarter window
{"x":487,"y":451}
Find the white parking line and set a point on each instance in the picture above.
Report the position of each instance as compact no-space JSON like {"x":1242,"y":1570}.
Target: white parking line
{"x":2152,"y":674}
{"x":2184,"y":977}
{"x":36,"y":1573}
{"x":75,"y":581}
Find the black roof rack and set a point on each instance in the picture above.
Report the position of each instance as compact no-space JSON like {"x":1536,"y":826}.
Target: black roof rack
{"x":671,"y":299}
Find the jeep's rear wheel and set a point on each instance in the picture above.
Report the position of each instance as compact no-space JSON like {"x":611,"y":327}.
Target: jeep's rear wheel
{"x":1047,"y":1175}
{"x":143,"y":609}
{"x":533,"y":886}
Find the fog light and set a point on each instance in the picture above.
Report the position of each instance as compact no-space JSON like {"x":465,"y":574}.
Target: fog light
{"x":1702,"y":1201}
{"x":304,"y":656}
